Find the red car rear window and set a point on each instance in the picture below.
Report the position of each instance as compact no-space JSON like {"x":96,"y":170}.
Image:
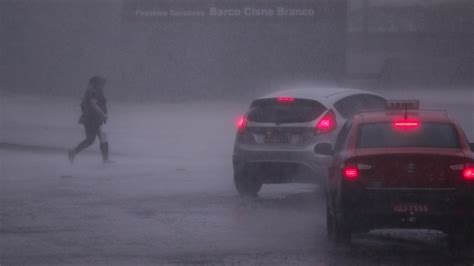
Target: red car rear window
{"x":426,"y":135}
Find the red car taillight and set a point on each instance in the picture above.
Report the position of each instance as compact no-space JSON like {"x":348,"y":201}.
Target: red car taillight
{"x":327,"y":123}
{"x":241,"y":124}
{"x":350,"y":173}
{"x":406,"y":124}
{"x":468,"y":172}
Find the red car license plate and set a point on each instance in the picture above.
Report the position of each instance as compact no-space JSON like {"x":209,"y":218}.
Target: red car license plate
{"x":411,"y":208}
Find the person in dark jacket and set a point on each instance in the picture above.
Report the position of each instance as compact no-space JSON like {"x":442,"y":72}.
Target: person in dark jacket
{"x":94,"y":116}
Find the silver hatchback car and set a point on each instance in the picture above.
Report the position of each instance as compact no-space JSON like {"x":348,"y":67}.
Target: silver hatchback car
{"x":276,"y":138}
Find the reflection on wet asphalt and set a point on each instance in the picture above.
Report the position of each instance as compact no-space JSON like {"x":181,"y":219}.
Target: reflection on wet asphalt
{"x":123,"y":215}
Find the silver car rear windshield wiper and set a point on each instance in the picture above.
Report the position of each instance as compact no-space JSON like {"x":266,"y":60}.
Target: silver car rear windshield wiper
{"x":279,"y":122}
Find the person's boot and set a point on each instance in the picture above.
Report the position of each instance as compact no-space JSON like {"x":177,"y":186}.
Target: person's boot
{"x":71,"y":154}
{"x":104,"y":149}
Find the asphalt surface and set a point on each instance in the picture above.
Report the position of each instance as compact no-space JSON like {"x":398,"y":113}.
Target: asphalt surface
{"x":138,"y":212}
{"x":169,"y":198}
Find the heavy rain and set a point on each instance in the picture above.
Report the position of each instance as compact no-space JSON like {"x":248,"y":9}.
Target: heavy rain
{"x":153,"y":183}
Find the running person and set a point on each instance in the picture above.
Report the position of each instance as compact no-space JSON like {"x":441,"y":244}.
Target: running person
{"x":94,"y":116}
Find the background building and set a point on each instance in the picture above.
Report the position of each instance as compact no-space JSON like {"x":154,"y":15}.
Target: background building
{"x":54,"y":46}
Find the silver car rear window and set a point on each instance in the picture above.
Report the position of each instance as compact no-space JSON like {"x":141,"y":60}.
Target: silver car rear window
{"x":275,"y":111}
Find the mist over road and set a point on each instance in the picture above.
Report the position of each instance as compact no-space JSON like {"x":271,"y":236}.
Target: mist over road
{"x":169,"y":198}
{"x":137,"y":212}
{"x":179,"y":74}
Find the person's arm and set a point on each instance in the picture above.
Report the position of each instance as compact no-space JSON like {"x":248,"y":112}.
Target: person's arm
{"x":95,"y":106}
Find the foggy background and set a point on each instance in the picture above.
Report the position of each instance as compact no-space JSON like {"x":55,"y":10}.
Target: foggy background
{"x":52,"y":47}
{"x":175,"y":87}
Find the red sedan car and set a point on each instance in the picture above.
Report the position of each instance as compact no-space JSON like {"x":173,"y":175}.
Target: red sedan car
{"x":400,"y":169}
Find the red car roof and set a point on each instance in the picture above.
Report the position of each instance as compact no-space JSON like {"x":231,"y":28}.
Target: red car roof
{"x":389,"y":116}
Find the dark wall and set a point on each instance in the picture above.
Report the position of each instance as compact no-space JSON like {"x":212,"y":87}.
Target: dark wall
{"x":54,"y":46}
{"x":422,"y":43}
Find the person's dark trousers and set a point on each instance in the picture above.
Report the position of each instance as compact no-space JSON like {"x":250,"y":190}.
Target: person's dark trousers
{"x":104,"y":149}
{"x":92,"y":130}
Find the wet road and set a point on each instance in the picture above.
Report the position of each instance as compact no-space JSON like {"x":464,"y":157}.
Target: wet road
{"x":140,"y":211}
{"x":169,"y":198}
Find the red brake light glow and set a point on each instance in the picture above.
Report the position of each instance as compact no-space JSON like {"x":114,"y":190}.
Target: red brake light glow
{"x":406,"y":124}
{"x":241,"y":124}
{"x":350,"y":173}
{"x":327,"y":123}
{"x":468,"y":172}
{"x":285,"y":99}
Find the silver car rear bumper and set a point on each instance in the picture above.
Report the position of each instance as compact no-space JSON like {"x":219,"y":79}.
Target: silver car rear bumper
{"x":308,"y":166}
